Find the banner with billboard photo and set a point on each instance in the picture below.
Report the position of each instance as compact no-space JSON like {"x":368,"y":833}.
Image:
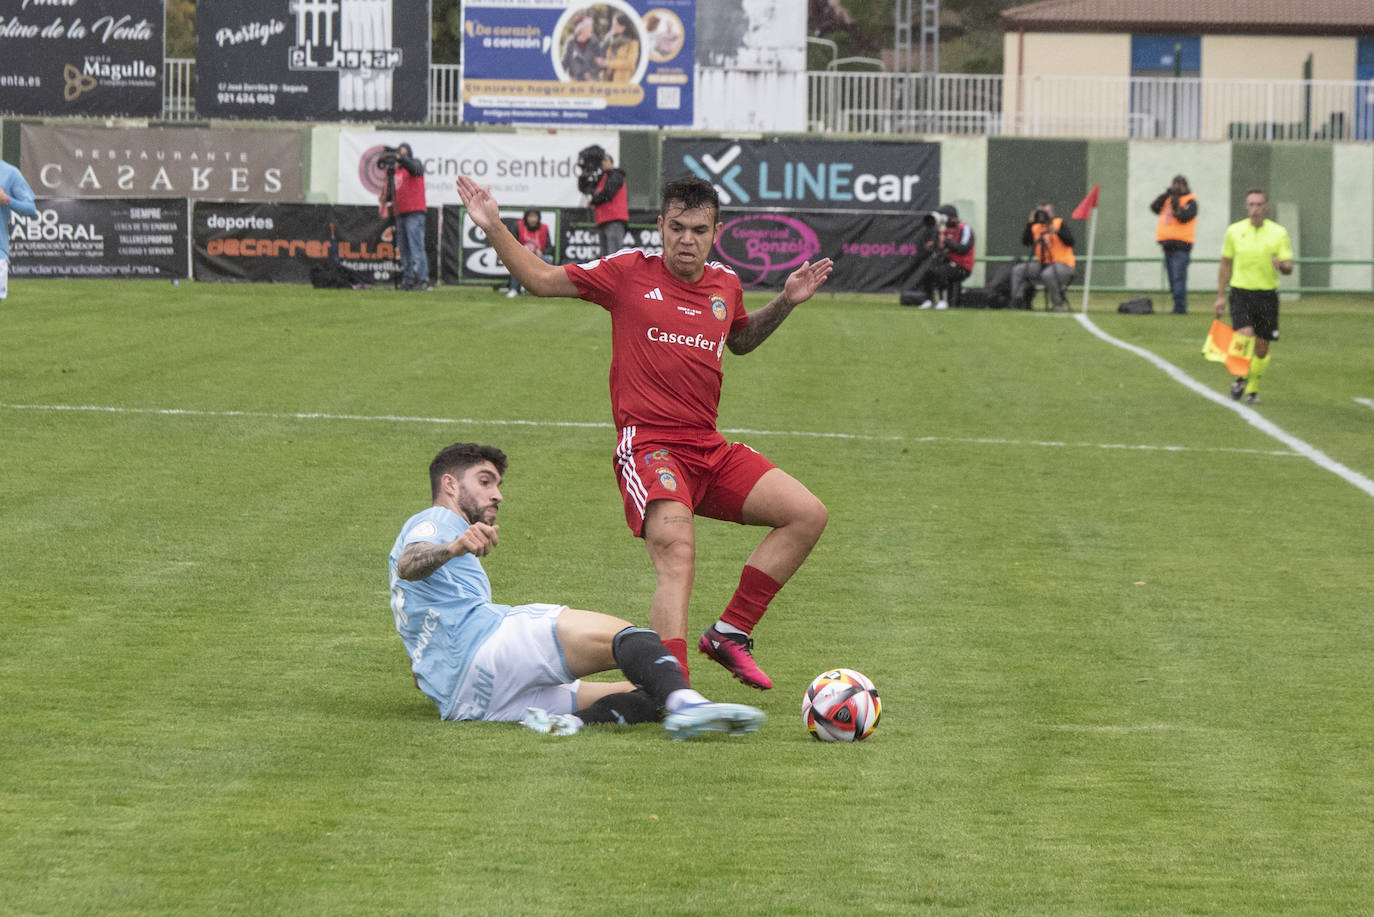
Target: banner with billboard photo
{"x":313,"y":60}
{"x":101,"y":239}
{"x":81,"y":58}
{"x":281,"y":243}
{"x":579,"y":62}
{"x":795,"y":174}
{"x":523,"y":170}
{"x":86,"y":162}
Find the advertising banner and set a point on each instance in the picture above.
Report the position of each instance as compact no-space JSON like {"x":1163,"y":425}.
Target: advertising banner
{"x":795,"y":174}
{"x":873,"y":253}
{"x":281,"y":243}
{"x":523,"y":170}
{"x":81,"y":58}
{"x":470,"y":259}
{"x":313,"y":60}
{"x":100,"y":239}
{"x":622,"y":62}
{"x":86,"y":162}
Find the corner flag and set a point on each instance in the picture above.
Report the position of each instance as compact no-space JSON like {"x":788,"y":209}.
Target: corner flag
{"x":1087,"y":205}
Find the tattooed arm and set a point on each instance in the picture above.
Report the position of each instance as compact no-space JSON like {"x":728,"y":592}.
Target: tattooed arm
{"x":801,"y":285}
{"x":421,"y":558}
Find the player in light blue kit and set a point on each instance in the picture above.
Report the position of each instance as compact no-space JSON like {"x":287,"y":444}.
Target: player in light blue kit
{"x":16,"y":195}
{"x":481,"y":661}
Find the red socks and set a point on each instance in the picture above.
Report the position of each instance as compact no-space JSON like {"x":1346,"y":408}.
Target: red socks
{"x":750,"y":601}
{"x":679,"y":650}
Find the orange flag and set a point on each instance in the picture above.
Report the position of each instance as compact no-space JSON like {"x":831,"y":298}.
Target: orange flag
{"x":1225,"y":346}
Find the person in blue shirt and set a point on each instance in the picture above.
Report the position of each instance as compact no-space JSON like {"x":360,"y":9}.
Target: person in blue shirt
{"x":478,"y":660}
{"x":17,"y":196}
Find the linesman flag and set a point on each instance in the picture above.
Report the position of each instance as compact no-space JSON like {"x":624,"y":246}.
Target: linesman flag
{"x":1223,"y":345}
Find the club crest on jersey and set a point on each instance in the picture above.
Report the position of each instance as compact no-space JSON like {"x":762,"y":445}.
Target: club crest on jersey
{"x":658,"y":455}
{"x":666,"y":479}
{"x":718,"y":308}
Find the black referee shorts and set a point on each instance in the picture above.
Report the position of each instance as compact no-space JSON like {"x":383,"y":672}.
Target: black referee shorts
{"x":1258,"y":309}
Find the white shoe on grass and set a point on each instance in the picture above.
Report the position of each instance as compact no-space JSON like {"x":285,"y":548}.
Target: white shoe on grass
{"x":553,"y":724}
{"x":735,"y":719}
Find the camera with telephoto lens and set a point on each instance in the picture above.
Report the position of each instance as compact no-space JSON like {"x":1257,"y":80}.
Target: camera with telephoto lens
{"x":1041,"y":216}
{"x":589,"y":168}
{"x":389,"y":158}
{"x":935,"y":218}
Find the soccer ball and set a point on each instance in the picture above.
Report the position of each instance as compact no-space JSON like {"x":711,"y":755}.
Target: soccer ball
{"x":841,"y":706}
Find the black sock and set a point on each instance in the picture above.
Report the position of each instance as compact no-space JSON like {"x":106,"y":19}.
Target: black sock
{"x":647,"y":663}
{"x":626,"y":708}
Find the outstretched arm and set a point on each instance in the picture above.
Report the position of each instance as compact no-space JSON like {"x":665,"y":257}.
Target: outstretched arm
{"x":801,"y":285}
{"x":421,"y":558}
{"x":532,"y":271}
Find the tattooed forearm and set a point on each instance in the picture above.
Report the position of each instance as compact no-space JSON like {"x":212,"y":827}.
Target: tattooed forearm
{"x":420,"y":559}
{"x":762,"y":323}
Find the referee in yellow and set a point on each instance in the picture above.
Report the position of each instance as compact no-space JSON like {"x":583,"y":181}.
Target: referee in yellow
{"x":1254,"y":253}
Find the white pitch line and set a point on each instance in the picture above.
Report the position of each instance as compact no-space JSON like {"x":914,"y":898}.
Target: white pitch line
{"x":1367,"y":402}
{"x":1248,"y":414}
{"x":741,"y":431}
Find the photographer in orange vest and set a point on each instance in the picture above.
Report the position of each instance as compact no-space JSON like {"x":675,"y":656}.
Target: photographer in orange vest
{"x":1054,"y":262}
{"x":1175,"y":232}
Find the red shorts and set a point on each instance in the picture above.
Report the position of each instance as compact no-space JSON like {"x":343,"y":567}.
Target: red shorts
{"x":706,"y":473}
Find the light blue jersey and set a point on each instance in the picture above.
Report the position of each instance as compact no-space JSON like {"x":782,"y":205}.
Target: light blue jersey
{"x":21,"y":202}
{"x":443,"y":618}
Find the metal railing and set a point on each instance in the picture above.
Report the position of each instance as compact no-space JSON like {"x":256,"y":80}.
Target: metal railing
{"x":904,"y":104}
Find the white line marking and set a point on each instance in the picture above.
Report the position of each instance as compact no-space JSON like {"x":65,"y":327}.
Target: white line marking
{"x":1248,"y":414}
{"x":741,"y":431}
{"x":1367,"y":402}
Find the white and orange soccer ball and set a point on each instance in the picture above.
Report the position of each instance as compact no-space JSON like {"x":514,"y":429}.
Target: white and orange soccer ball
{"x":841,"y":705}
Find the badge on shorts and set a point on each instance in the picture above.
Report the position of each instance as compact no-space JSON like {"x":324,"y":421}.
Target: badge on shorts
{"x":718,"y":308}
{"x":658,"y":455}
{"x":666,"y":479}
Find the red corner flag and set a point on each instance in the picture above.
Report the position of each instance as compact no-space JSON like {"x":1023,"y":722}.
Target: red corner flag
{"x":1087,"y":205}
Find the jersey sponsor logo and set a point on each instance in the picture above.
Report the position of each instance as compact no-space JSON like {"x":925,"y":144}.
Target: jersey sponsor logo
{"x":666,"y":479}
{"x":655,"y":293}
{"x":658,"y":455}
{"x":718,"y":307}
{"x":427,"y":630}
{"x":694,"y":341}
{"x":424,"y":530}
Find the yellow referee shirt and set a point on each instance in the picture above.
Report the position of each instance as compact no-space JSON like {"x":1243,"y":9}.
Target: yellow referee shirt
{"x":1251,"y":250}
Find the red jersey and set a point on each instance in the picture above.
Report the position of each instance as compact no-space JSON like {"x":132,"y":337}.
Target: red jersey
{"x":410,"y":192}
{"x":540,"y":236}
{"x":667,"y":337}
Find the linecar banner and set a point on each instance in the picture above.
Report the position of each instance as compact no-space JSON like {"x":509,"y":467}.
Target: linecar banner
{"x":313,"y":60}
{"x":623,"y":62}
{"x":162,"y":162}
{"x":280,"y":243}
{"x":796,"y":174}
{"x":81,"y":58}
{"x":100,"y":239}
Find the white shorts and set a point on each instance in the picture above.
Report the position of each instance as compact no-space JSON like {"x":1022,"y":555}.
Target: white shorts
{"x":520,"y":665}
{"x":4,"y":275}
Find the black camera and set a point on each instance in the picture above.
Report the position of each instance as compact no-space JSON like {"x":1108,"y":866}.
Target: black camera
{"x":589,"y":168}
{"x":389,"y":158}
{"x":1041,"y":216}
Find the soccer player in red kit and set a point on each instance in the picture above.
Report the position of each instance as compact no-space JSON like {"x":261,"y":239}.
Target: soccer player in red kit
{"x":672,"y":316}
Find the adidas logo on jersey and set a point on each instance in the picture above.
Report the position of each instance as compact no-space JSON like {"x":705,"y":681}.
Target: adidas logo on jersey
{"x":655,"y":293}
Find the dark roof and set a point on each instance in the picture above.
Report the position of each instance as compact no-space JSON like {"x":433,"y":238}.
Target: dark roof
{"x":1228,"y":17}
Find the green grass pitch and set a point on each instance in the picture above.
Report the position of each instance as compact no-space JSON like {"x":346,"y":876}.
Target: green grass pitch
{"x":1123,"y":638}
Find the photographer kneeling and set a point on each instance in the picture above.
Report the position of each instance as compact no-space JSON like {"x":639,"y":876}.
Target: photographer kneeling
{"x":949,"y":264}
{"x":403,"y":196}
{"x":1054,"y":262}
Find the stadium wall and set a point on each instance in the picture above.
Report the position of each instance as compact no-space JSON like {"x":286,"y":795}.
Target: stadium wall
{"x":1324,"y":194}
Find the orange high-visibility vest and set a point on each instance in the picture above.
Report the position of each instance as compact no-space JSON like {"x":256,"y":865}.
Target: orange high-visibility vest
{"x":1170,"y":230}
{"x":1053,"y":248}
